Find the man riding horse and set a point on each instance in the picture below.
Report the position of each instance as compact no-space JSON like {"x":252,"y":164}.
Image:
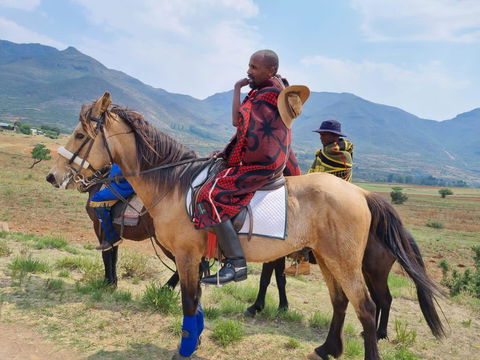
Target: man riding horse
{"x":256,"y":155}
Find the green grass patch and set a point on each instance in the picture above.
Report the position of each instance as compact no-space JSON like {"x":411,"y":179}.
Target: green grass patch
{"x":54,"y":284}
{"x":135,"y":265}
{"x":28,"y":265}
{"x":161,"y":299}
{"x":400,"y":286}
{"x":122,"y":296}
{"x":175,"y":327}
{"x":231,"y":306}
{"x":404,"y":336}
{"x":292,"y":344}
{"x":400,"y":354}
{"x":319,"y":321}
{"x":353,"y":348}
{"x":4,"y":249}
{"x":435,"y":225}
{"x":226,"y":332}
{"x":211,"y":312}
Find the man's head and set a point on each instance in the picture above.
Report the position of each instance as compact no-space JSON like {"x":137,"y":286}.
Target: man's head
{"x":262,"y":66}
{"x":330,"y":131}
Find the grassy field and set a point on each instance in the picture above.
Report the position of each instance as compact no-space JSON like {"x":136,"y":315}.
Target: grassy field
{"x":50,"y":283}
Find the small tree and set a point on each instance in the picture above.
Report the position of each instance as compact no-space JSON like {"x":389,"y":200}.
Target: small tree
{"x":398,"y":197}
{"x":39,"y":153}
{"x":444,"y":192}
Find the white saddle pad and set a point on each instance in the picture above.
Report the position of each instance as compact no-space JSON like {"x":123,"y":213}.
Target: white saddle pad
{"x":269,"y":210}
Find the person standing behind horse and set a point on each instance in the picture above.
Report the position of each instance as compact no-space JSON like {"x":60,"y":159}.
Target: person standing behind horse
{"x":102,"y":202}
{"x":337,"y":154}
{"x":257,"y":154}
{"x":335,"y":158}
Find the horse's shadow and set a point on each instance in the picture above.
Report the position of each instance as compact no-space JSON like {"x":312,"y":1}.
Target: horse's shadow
{"x":138,"y":352}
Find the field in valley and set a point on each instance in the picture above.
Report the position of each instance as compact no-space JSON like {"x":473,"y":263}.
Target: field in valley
{"x":53,"y":306}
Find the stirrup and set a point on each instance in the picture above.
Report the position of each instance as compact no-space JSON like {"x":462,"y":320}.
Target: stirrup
{"x":105,"y":245}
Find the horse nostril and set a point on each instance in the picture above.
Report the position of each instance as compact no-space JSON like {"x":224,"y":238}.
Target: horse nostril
{"x":50,"y":178}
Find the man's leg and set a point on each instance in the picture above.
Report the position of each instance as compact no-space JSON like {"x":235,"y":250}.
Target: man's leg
{"x":110,"y":238}
{"x":235,"y":268}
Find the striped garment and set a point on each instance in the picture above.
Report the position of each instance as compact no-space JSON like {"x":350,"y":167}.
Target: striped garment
{"x":335,"y":159}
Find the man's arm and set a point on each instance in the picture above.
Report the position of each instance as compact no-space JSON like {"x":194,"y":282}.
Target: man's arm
{"x":236,"y":99}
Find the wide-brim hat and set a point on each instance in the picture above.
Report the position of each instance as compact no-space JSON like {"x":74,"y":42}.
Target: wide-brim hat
{"x":290,"y":103}
{"x":332,"y":126}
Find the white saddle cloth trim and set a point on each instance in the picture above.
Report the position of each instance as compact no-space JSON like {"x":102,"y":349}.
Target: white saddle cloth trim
{"x":269,"y":210}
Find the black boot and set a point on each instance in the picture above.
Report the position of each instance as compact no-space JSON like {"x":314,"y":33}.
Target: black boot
{"x":235,"y":267}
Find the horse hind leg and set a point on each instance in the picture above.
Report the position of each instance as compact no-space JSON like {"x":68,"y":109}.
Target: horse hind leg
{"x":281,"y":284}
{"x":333,"y":345}
{"x":265,"y":277}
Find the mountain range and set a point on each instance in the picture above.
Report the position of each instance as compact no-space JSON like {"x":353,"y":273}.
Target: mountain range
{"x":42,"y":85}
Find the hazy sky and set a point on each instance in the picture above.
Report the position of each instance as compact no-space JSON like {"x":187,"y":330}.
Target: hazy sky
{"x":420,"y":55}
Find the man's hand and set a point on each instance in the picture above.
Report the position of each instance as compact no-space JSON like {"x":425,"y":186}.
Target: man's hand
{"x":242,"y":82}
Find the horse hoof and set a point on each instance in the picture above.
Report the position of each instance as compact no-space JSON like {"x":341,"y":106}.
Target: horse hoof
{"x":314,"y":356}
{"x":178,"y":356}
{"x":250,"y":312}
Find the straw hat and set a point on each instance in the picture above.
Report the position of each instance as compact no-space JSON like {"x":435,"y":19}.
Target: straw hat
{"x":290,"y":102}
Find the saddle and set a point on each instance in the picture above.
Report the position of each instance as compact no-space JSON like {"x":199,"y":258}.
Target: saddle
{"x":209,"y":171}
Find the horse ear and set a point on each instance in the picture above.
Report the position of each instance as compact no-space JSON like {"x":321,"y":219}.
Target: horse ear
{"x":102,"y":104}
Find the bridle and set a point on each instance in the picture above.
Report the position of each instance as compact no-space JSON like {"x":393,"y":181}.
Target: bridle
{"x":74,"y":158}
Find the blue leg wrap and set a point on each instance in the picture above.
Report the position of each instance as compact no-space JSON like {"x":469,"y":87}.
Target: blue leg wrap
{"x":189,"y":340}
{"x":200,"y":322}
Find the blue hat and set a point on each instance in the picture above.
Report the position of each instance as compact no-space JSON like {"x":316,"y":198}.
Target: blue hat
{"x":332,"y":126}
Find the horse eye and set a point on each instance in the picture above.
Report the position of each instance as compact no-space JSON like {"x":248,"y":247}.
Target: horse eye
{"x":79,"y":136}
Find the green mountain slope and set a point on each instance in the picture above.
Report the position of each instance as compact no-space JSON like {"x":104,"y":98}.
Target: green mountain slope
{"x":42,"y":85}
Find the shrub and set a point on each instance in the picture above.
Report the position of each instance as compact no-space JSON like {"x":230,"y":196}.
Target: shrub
{"x":162,"y":299}
{"x":292,"y":344}
{"x":444,"y":192}
{"x":227,"y":331}
{"x":469,"y":281}
{"x":135,"y":265}
{"x":434,"y":224}
{"x":398,"y":197}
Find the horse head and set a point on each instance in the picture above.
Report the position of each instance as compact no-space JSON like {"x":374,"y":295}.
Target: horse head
{"x":86,"y":152}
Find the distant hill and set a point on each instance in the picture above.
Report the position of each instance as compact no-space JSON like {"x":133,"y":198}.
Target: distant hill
{"x":42,"y":85}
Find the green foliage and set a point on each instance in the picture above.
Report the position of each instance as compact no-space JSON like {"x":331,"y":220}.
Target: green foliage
{"x":444,"y":192}
{"x":211,"y":313}
{"x":39,"y":153}
{"x":175,"y":327}
{"x":24,"y":128}
{"x":50,"y":243}
{"x":122,"y":296}
{"x":161,"y":299}
{"x":468,"y":282}
{"x":401,"y":353}
{"x":443,"y":264}
{"x":353,"y":348}
{"x":398,"y":197}
{"x":226,"y":332}
{"x":435,"y":224}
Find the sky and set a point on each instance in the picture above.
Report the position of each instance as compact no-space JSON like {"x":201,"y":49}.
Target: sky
{"x":422,"y":56}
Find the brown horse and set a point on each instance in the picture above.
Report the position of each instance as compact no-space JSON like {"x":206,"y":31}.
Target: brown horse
{"x":326,"y":214}
{"x":144,"y":230}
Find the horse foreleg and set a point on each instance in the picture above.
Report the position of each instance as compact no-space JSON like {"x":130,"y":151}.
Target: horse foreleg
{"x":281,"y":284}
{"x":265,"y":277}
{"x":193,"y":324}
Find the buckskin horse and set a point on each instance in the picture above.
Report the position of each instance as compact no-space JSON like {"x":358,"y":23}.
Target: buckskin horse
{"x":160,"y":170}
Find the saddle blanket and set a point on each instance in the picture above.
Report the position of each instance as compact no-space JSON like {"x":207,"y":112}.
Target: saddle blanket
{"x":269,"y":210}
{"x":127,"y":214}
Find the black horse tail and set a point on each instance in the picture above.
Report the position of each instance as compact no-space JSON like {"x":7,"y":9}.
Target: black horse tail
{"x":388,"y":228}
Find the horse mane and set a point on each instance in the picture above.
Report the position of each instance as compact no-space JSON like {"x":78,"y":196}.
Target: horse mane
{"x":154,"y":148}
